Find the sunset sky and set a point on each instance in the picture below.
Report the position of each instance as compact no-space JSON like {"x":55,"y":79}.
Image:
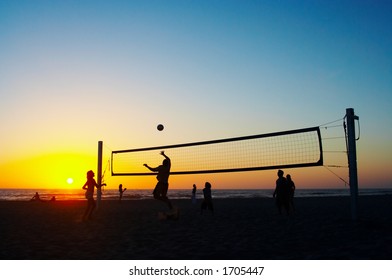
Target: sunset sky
{"x":76,"y":72}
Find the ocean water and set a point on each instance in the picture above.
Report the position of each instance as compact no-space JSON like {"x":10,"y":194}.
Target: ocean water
{"x":112,"y":194}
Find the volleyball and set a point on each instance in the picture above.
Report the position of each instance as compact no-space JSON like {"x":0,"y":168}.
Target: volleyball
{"x":160,"y":127}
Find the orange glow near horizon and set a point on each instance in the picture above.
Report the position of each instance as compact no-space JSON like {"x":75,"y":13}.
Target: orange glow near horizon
{"x":68,"y":171}
{"x":52,"y":171}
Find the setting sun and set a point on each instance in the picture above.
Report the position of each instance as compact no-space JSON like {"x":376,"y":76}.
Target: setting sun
{"x":70,"y":181}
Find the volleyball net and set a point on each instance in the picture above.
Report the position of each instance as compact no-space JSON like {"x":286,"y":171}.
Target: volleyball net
{"x":287,"y":149}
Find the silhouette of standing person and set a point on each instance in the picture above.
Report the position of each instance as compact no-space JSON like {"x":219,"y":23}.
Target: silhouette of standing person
{"x":89,"y":187}
{"x":291,"y":187}
{"x":161,"y":188}
{"x":207,"y":202}
{"x":281,"y":193}
{"x":121,"y":191}
{"x":194,"y":194}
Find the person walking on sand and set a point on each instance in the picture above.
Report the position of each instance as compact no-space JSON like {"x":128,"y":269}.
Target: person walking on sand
{"x":281,"y":193}
{"x":194,"y":194}
{"x":291,"y":187}
{"x":207,"y":202}
{"x":121,"y":191}
{"x":89,"y":187}
{"x":161,"y":188}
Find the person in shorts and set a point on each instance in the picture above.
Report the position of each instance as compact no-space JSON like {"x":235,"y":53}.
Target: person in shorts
{"x":89,"y":187}
{"x":160,"y":191}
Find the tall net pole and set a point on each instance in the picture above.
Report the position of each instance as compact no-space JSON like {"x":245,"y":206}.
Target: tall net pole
{"x":99,"y":174}
{"x":352,"y":161}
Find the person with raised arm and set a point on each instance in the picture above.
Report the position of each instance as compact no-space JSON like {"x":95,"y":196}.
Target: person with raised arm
{"x":161,"y":188}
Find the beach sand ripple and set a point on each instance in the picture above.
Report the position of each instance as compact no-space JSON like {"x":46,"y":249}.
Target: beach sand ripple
{"x":320,"y":229}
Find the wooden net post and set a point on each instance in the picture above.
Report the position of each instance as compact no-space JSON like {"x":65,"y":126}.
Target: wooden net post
{"x":99,"y":174}
{"x":352,"y":161}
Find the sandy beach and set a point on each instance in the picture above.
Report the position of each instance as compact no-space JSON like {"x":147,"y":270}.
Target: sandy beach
{"x":320,"y":229}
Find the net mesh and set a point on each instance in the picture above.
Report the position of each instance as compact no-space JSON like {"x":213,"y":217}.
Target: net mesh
{"x":288,"y":149}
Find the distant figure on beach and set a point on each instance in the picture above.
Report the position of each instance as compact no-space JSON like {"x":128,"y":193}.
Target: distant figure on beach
{"x":207,"y":202}
{"x":53,"y":199}
{"x":161,"y":188}
{"x":36,"y":197}
{"x":281,"y":193}
{"x":89,"y":187}
{"x":194,"y":194}
{"x":121,"y":191}
{"x":291,"y":187}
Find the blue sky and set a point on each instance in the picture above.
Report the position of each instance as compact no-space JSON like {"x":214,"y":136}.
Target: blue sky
{"x":75,"y":72}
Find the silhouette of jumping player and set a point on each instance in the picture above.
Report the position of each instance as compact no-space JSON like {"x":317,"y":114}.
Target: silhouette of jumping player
{"x":291,"y":187}
{"x":121,"y":191}
{"x":89,"y":187}
{"x":281,"y":193}
{"x":207,"y":202}
{"x":160,"y":191}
